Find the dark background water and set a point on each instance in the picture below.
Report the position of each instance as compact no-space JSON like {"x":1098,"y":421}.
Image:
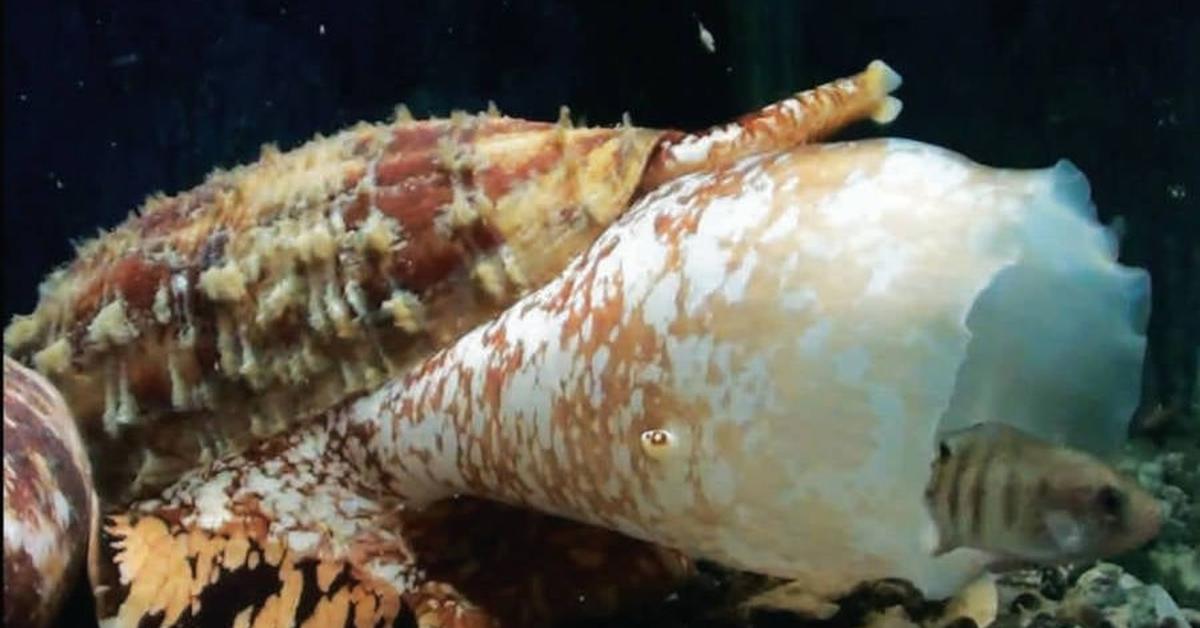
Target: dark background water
{"x":108,"y":101}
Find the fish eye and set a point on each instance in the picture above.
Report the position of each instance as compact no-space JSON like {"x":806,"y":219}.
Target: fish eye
{"x":1110,"y":500}
{"x":943,"y":451}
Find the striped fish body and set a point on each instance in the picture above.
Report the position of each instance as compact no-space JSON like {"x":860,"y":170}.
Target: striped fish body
{"x":997,"y":489}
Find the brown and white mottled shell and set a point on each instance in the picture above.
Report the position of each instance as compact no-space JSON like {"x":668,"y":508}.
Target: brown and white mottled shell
{"x":271,"y":291}
{"x":49,"y":505}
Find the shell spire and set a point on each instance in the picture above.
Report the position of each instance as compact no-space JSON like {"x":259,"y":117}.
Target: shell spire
{"x":805,"y":117}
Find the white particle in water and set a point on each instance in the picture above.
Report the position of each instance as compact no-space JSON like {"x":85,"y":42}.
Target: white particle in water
{"x":706,"y":38}
{"x":125,"y":59}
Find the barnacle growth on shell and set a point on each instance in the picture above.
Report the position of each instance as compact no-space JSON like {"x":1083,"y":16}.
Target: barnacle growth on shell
{"x":274,"y":290}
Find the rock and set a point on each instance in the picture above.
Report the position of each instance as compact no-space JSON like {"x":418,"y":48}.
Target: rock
{"x":1170,"y":470}
{"x":978,"y":603}
{"x":1106,"y":593}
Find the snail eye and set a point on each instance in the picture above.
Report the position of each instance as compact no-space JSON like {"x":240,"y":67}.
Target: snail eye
{"x":1110,"y":500}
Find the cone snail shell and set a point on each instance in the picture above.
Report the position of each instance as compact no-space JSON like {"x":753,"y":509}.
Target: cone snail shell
{"x":729,"y":344}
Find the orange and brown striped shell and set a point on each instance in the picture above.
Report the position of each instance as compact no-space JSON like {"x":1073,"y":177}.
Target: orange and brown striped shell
{"x":228,"y":313}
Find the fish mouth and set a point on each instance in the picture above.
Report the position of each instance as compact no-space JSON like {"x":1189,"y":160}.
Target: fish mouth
{"x":1141,"y":525}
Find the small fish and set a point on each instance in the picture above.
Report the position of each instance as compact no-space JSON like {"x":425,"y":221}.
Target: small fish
{"x":1000,"y":490}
